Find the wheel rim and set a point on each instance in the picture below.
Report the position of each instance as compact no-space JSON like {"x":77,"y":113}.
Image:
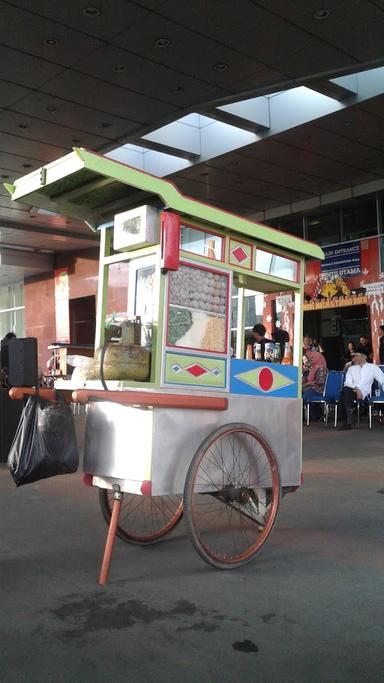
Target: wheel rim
{"x":146,"y":518}
{"x":234,"y":496}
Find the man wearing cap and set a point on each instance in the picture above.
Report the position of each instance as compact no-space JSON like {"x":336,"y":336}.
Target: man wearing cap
{"x":357,"y":385}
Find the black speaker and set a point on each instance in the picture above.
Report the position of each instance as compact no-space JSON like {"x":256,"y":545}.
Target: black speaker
{"x":23,"y":362}
{"x":4,"y":355}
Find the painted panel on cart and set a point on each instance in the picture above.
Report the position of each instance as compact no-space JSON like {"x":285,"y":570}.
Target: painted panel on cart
{"x":263,"y":379}
{"x":198,"y":371}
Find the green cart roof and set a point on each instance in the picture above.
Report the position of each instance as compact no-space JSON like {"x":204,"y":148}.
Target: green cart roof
{"x":93,"y":188}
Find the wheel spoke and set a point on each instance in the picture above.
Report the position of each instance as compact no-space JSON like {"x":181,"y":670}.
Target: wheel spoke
{"x":143,"y":519}
{"x":231,"y":496}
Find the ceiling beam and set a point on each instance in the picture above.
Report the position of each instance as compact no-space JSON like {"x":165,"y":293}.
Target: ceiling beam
{"x":9,"y":225}
{"x":231,"y":119}
{"x":182,"y":137}
{"x":31,"y":260}
{"x":174,"y":151}
{"x":338,"y":89}
{"x":319,"y":201}
{"x":255,"y":110}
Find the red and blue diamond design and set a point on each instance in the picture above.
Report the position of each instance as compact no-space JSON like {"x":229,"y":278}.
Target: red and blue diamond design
{"x":263,"y":379}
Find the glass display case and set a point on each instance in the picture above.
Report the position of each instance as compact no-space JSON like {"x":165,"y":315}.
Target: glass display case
{"x":198,"y":309}
{"x":201,"y":242}
{"x":277,"y":265}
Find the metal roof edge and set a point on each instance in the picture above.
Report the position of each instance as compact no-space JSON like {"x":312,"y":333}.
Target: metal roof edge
{"x":174,"y":199}
{"x":30,"y":189}
{"x":37,"y":179}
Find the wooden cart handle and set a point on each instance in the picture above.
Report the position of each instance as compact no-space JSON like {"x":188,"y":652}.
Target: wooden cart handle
{"x":151,"y":398}
{"x":18,"y":393}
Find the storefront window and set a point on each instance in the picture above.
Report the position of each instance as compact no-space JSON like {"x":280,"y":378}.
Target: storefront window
{"x":324,"y":226}
{"x":360,"y":218}
{"x":291,"y":224}
{"x":12,"y":309}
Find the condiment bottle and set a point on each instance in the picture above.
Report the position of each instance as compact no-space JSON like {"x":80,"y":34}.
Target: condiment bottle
{"x":287,"y":358}
{"x":257,"y":351}
{"x":268,"y":352}
{"x":211,"y":253}
{"x":248,"y":353}
{"x":276,"y":358}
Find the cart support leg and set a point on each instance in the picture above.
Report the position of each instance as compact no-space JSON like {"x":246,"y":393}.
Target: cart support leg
{"x":118,"y":496}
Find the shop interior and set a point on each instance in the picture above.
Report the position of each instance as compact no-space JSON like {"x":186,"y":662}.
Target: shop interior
{"x":334,"y":328}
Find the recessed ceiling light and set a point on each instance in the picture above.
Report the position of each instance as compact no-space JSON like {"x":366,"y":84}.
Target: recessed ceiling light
{"x":27,"y":165}
{"x":119,"y":67}
{"x":221,"y":66}
{"x":91,"y":12}
{"x":22,"y":126}
{"x":50,"y":42}
{"x":106,"y":124}
{"x":161,"y":42}
{"x":321,"y":14}
{"x":50,"y":108}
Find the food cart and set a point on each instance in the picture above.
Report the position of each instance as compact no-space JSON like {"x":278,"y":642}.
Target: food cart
{"x":178,"y":421}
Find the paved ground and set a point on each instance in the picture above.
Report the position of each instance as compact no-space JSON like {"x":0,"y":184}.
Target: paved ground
{"x":308,"y":609}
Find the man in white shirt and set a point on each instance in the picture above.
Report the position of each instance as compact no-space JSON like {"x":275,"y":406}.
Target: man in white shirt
{"x":357,"y":385}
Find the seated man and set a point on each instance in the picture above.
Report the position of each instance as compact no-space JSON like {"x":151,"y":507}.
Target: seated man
{"x":314,"y":374}
{"x":357,"y":385}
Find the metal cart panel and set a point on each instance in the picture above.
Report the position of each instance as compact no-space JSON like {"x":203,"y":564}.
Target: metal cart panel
{"x":159,"y":444}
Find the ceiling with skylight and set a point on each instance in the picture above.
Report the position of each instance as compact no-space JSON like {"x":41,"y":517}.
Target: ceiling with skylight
{"x":262,"y":108}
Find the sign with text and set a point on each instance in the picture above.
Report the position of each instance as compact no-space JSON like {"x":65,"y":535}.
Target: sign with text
{"x":373,"y":288}
{"x":343,"y":259}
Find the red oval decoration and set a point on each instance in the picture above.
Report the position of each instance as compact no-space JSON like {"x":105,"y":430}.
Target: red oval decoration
{"x":265,"y":379}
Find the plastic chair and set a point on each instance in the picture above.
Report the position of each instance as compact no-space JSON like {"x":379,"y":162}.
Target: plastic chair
{"x":333,"y":386}
{"x":376,"y":398}
{"x":358,"y":404}
{"x":366,"y":403}
{"x":320,"y":400}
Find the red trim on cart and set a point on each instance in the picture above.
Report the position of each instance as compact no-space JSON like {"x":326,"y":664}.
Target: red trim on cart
{"x":151,"y":398}
{"x":146,"y":488}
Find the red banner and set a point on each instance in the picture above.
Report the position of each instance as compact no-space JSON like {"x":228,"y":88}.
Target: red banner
{"x":324,"y":286}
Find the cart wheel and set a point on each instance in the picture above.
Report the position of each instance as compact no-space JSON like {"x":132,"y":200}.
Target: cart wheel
{"x":231,"y":495}
{"x":143,"y":519}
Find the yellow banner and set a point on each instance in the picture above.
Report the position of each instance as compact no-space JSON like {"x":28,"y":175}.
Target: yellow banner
{"x":335,"y":303}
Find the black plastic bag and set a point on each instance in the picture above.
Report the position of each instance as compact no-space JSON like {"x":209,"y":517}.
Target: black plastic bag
{"x":44,"y":443}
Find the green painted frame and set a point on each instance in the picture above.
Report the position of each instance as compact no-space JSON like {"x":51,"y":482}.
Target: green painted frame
{"x":75,"y":183}
{"x":42,"y":188}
